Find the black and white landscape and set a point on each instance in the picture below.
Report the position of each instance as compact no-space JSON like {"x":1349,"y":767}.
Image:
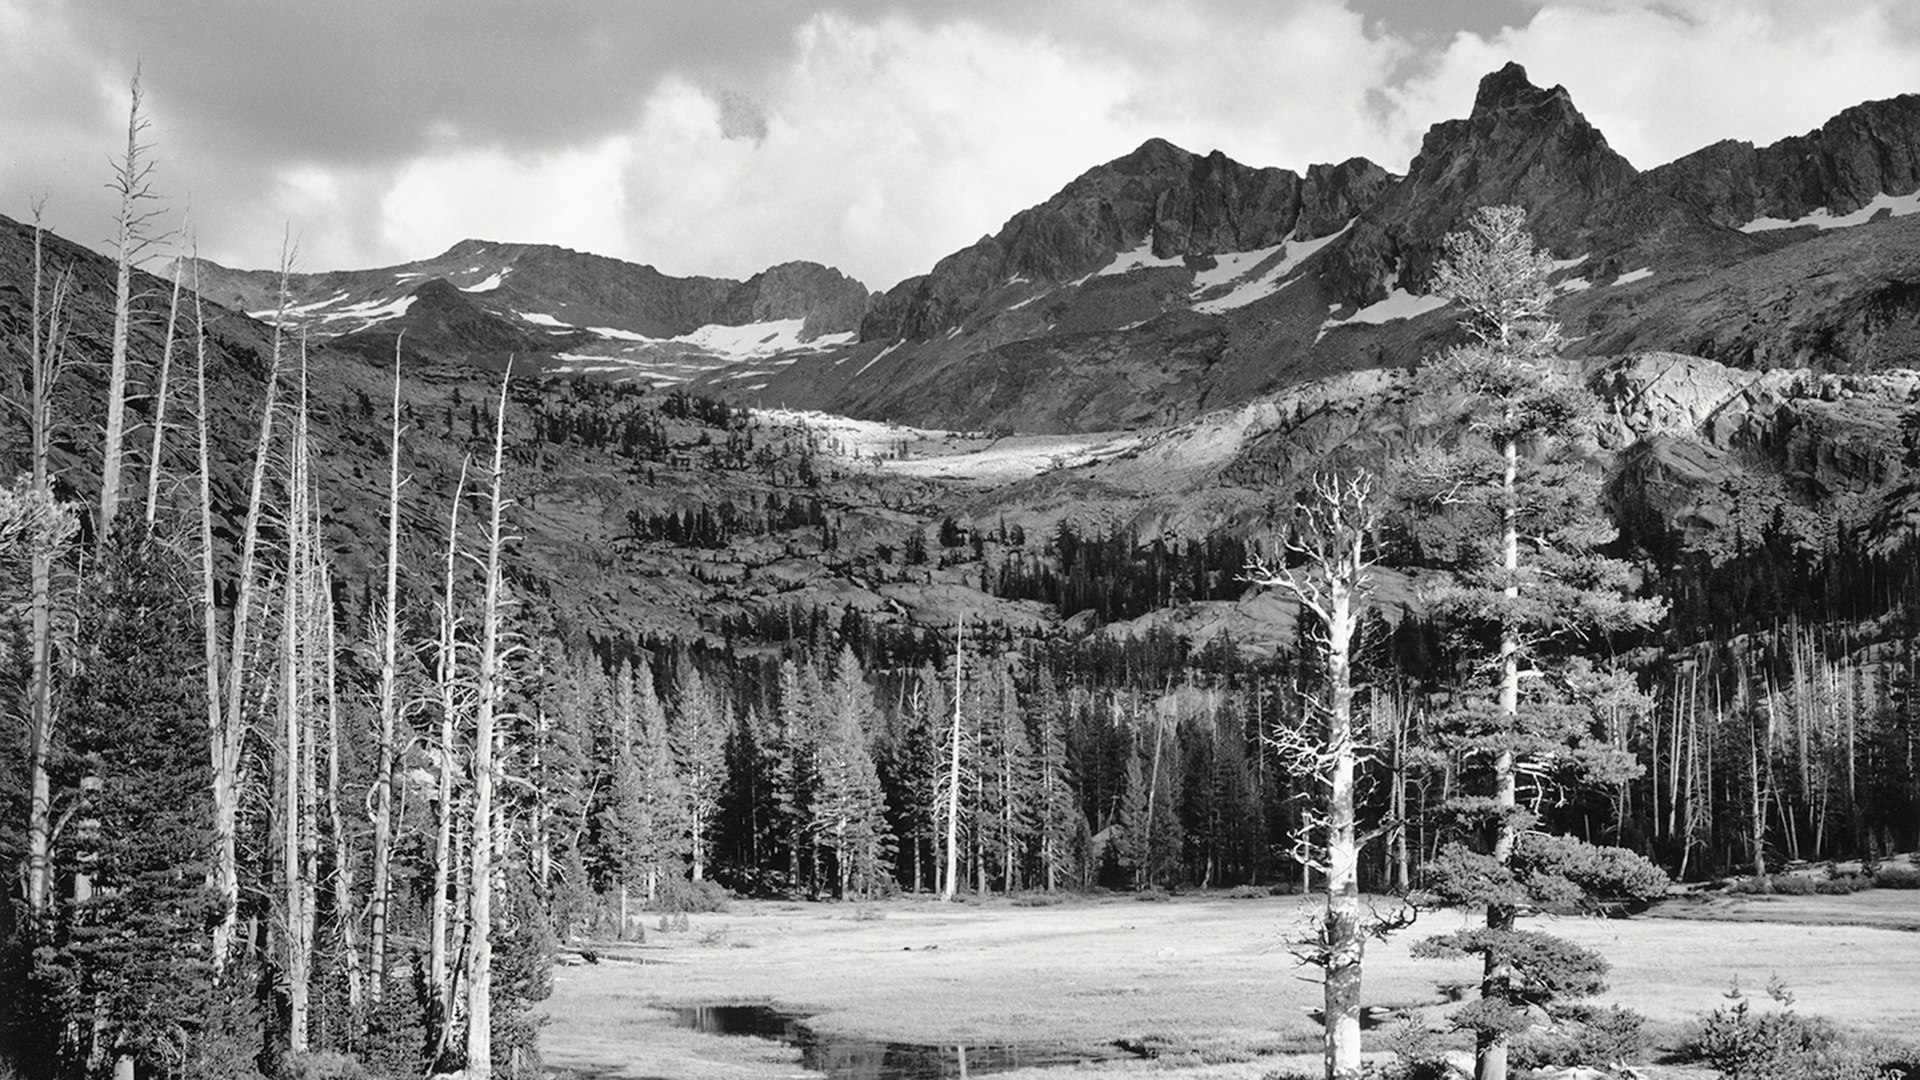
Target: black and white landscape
{"x":1449,"y":614}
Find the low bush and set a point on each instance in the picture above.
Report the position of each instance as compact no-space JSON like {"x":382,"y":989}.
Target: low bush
{"x":1742,"y":1043}
{"x":1419,"y":1054}
{"x":677,"y":896}
{"x":1039,"y":899}
{"x":1842,"y":884}
{"x":1897,"y":877}
{"x":1584,"y":1035}
{"x":1153,"y":895}
{"x":322,"y":1065}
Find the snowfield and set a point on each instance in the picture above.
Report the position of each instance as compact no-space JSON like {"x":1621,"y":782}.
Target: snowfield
{"x":1894,"y":205}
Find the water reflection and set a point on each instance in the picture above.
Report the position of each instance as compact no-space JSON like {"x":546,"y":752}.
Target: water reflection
{"x":845,"y":1058}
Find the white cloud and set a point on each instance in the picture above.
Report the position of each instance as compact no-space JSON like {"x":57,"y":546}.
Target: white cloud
{"x":877,"y":142}
{"x":573,"y":198}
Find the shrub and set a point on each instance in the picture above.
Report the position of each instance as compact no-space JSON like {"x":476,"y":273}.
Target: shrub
{"x":1742,"y":1044}
{"x":1248,"y":892}
{"x":676,"y":895}
{"x":1419,"y":1054}
{"x":1039,"y":899}
{"x":1152,"y":895}
{"x":322,"y":1065}
{"x":673,"y":922}
{"x":1791,"y":885}
{"x":1842,"y":884}
{"x":1584,"y":1035}
{"x":1897,"y":877}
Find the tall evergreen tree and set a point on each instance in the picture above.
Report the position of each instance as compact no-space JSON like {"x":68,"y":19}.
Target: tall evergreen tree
{"x":645,"y":822}
{"x":848,"y":812}
{"x":1529,"y":576}
{"x":134,"y":954}
{"x":699,"y":746}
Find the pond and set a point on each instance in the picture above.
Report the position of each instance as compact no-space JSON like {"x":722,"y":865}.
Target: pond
{"x":846,"y":1058}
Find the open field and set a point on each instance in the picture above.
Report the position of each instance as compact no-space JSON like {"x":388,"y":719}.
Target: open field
{"x":1210,"y":975}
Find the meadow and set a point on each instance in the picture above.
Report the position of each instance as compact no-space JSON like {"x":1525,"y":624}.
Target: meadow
{"x":1206,"y":982}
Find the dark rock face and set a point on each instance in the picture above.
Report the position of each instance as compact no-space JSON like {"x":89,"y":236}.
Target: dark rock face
{"x":1865,"y":151}
{"x":1521,"y":145}
{"x":828,"y":300}
{"x":1180,"y":203}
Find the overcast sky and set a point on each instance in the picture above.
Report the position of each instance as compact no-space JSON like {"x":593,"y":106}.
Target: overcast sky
{"x":723,"y":136}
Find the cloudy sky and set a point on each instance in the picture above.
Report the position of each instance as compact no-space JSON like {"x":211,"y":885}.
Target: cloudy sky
{"x":722,"y":136}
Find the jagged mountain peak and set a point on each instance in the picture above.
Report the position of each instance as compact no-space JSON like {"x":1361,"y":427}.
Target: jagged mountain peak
{"x":1509,"y":88}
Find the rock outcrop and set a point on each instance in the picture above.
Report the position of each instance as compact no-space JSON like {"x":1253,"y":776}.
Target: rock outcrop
{"x":1175,"y":202}
{"x":1521,"y":145}
{"x":1868,"y":150}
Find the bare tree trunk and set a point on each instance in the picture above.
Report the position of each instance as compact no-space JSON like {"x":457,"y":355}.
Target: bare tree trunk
{"x":480,"y":900}
{"x":130,"y":183}
{"x":295,"y":810}
{"x":953,"y":773}
{"x":438,"y":970}
{"x":1490,"y":1051}
{"x":342,"y":845}
{"x":228,"y":731}
{"x":389,"y":709}
{"x":160,"y":404}
{"x":49,"y":345}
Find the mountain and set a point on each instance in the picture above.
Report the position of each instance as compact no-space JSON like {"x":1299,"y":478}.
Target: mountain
{"x":1165,"y":346}
{"x":481,"y":302}
{"x":1164,"y":284}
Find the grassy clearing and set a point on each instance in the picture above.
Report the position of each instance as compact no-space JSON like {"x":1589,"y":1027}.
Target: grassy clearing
{"x":1208,"y":980}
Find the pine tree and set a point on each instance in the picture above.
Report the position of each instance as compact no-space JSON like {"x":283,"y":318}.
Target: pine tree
{"x":645,"y":822}
{"x":134,"y":950}
{"x":1532,"y":487}
{"x":1006,"y":814}
{"x":699,"y":743}
{"x":848,"y":812}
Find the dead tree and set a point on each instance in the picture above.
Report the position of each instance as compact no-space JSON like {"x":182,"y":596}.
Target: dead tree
{"x":50,"y":527}
{"x":131,"y":181}
{"x":1332,"y":584}
{"x":487,"y":692}
{"x":389,"y":712}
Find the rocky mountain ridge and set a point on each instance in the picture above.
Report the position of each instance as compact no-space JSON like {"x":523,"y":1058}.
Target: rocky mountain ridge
{"x":1165,"y":283}
{"x":482,"y":301}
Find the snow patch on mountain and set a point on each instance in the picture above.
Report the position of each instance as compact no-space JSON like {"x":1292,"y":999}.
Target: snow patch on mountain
{"x":1140,"y":258}
{"x":538,"y":319}
{"x":1228,"y":267}
{"x":491,"y":283}
{"x":1262,"y":278}
{"x":761,"y":339}
{"x":1632,"y":276}
{"x":618,"y":334}
{"x":877,"y":357}
{"x":1894,"y":205}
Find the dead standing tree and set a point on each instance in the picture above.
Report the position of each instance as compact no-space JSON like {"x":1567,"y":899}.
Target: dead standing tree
{"x":131,"y":181}
{"x":1332,"y":583}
